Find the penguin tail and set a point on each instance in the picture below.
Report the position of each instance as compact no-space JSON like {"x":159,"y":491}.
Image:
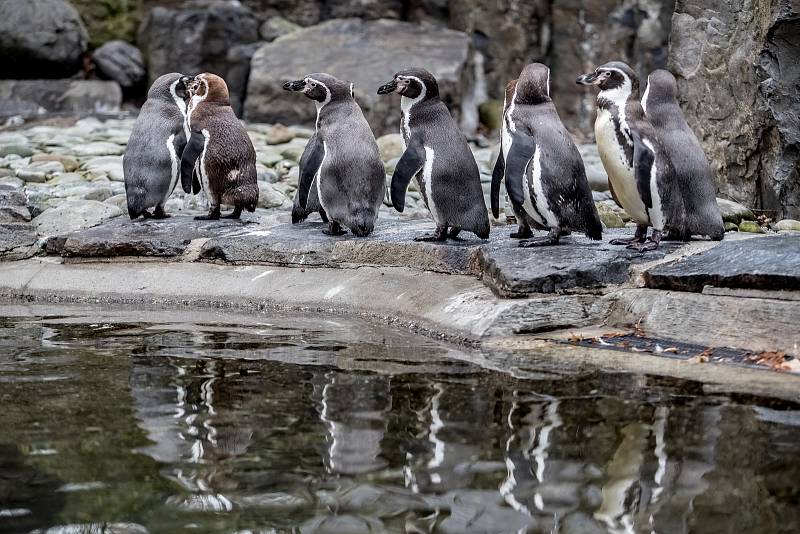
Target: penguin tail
{"x":594,"y":228}
{"x":364,"y":222}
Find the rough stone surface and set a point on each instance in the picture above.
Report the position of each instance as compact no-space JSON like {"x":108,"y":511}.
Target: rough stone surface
{"x":508,"y":270}
{"x":143,"y":237}
{"x":108,"y":20}
{"x":121,"y":62}
{"x":578,"y":262}
{"x":40,"y":39}
{"x":15,"y":228}
{"x":739,"y":85}
{"x":74,"y":215}
{"x":762,"y":263}
{"x":195,"y":38}
{"x":33,"y":97}
{"x":364,"y":52}
{"x":275,"y":27}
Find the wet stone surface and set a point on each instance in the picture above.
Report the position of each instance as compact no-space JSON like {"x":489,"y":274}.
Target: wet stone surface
{"x":508,"y":270}
{"x":763,"y":263}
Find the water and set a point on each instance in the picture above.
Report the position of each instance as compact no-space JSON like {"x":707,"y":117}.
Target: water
{"x":132,"y":422}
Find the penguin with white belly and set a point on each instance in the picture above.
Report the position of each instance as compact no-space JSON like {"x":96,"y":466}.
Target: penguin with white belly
{"x":695,"y":179}
{"x":300,"y":213}
{"x":151,"y":163}
{"x":544,"y":173}
{"x":640,"y":173}
{"x":438,"y":157}
{"x":342,"y":158}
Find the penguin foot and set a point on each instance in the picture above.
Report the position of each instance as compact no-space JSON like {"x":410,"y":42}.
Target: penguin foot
{"x":159,"y":213}
{"x":323,"y":215}
{"x":651,"y":243}
{"x":524,"y":232}
{"x":453,"y":233}
{"x":235,"y":214}
{"x":146,"y":214}
{"x":639,"y":237}
{"x":334,"y":229}
{"x":440,"y":234}
{"x":213,"y":215}
{"x":551,"y":239}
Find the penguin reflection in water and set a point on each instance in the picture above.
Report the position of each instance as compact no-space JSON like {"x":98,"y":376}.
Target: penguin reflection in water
{"x":438,"y":157}
{"x":219,"y":151}
{"x":640,"y":174}
{"x":152,"y":157}
{"x":544,"y":172}
{"x":341,"y":159}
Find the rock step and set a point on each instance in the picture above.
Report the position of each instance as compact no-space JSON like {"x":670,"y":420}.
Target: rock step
{"x":771,"y":262}
{"x":509,"y":271}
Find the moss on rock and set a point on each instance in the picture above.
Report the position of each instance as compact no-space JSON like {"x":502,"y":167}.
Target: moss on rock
{"x":107,"y":20}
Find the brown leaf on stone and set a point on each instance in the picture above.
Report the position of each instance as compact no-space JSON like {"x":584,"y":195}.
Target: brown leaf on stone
{"x":773,"y":360}
{"x":703,"y":357}
{"x":792,"y":366}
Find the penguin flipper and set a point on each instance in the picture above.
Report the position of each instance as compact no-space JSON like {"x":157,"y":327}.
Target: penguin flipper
{"x":519,"y":156}
{"x":497,"y":177}
{"x":409,"y":165}
{"x":194,"y":147}
{"x":195,"y":183}
{"x":315,"y":154}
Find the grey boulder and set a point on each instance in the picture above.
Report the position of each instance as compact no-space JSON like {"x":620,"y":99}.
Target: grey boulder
{"x":40,"y":39}
{"x":121,"y":62}
{"x":366,"y":52}
{"x":33,"y":97}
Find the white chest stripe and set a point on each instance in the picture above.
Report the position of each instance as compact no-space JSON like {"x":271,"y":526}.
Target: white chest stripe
{"x":644,"y":96}
{"x":202,"y":167}
{"x":427,"y":184}
{"x":542,"y":205}
{"x":405,"y":106}
{"x":656,"y":213}
{"x":322,"y":104}
{"x":318,"y":176}
{"x":181,"y":107}
{"x":173,"y":157}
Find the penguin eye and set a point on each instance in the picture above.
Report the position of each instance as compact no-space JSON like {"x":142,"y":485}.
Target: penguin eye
{"x":313,"y":85}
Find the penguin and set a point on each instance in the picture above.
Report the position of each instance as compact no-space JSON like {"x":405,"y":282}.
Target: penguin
{"x":300,"y":213}
{"x":219,"y":152}
{"x":151,"y":161}
{"x":694,"y":175}
{"x":343,"y":162}
{"x":544,"y":172}
{"x":438,"y":157}
{"x":640,"y":173}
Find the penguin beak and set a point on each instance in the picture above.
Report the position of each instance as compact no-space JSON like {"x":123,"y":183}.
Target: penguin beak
{"x":587,"y":79}
{"x":387,"y":88}
{"x":297,"y":85}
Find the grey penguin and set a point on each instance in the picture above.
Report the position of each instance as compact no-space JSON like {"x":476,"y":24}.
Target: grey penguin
{"x":438,"y":157}
{"x":641,"y":177}
{"x":343,"y":158}
{"x":544,"y":172}
{"x":219,"y":152}
{"x":301,"y":213}
{"x":694,"y":175}
{"x":151,"y":163}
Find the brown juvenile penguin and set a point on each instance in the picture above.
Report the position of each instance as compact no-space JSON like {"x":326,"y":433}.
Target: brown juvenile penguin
{"x":219,"y":151}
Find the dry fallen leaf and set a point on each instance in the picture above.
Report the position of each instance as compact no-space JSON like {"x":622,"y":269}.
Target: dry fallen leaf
{"x":774,"y":360}
{"x":703,"y":357}
{"x":793,"y":366}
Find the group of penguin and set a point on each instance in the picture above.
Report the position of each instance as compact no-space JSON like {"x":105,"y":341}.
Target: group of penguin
{"x":656,"y":168}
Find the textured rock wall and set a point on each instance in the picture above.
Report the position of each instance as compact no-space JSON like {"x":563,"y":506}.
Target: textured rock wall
{"x":738,"y":77}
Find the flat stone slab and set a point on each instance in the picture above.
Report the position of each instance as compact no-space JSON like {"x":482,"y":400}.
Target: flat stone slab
{"x":510,"y":271}
{"x":142,"y":237}
{"x":771,"y":262}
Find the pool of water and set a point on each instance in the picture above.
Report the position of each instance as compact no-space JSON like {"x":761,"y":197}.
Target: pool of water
{"x":152,"y":421}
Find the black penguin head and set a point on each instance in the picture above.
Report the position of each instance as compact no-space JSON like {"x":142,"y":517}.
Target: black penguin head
{"x":533,"y":85}
{"x":412,"y":83}
{"x":611,"y":76}
{"x":661,"y":88}
{"x":169,"y":87}
{"x":321,"y":87}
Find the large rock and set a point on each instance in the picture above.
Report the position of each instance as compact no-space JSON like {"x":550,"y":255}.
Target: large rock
{"x":121,"y":62}
{"x":73,"y":215}
{"x":760,"y":263}
{"x":738,"y":83}
{"x":40,"y":39}
{"x":33,"y":97}
{"x":583,"y":35}
{"x":198,"y":38}
{"x":367,"y":53}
